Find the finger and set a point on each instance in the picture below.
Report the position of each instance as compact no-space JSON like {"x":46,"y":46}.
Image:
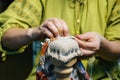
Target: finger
{"x":46,"y":32}
{"x":58,"y":26}
{"x":65,"y":28}
{"x":83,"y":36}
{"x":61,"y":26}
{"x":87,"y":45}
{"x":87,"y":52}
{"x":52,"y":28}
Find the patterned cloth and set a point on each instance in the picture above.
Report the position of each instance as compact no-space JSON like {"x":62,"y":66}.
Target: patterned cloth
{"x":45,"y":71}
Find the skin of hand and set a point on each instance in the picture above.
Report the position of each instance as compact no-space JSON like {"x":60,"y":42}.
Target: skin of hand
{"x":89,"y":43}
{"x":92,"y":42}
{"x":18,"y":37}
{"x":51,"y":28}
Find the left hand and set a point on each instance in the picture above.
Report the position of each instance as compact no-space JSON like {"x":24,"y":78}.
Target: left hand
{"x":89,"y":43}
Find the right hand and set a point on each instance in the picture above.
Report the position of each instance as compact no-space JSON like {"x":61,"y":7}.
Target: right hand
{"x":50,"y":28}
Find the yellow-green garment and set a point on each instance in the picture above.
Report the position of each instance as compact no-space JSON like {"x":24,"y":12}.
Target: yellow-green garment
{"x":102,"y":16}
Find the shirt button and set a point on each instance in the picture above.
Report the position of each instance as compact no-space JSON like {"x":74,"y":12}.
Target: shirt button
{"x":78,"y":21}
{"x":77,"y":32}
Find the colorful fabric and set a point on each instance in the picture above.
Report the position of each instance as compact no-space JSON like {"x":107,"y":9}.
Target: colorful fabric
{"x":45,"y":71}
{"x":102,"y":16}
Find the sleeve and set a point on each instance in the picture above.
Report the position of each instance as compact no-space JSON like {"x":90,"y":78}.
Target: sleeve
{"x":113,"y":30}
{"x":21,"y":14}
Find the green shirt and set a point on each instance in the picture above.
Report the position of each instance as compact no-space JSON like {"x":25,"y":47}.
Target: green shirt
{"x":101,"y":16}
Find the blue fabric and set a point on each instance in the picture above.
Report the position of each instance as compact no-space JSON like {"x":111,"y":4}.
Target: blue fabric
{"x":36,"y":48}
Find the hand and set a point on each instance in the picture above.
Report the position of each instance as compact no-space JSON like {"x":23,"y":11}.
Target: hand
{"x":54,"y":27}
{"x":50,"y":28}
{"x":89,"y":43}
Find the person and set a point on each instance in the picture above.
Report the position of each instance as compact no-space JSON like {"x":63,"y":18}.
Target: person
{"x":95,"y":25}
